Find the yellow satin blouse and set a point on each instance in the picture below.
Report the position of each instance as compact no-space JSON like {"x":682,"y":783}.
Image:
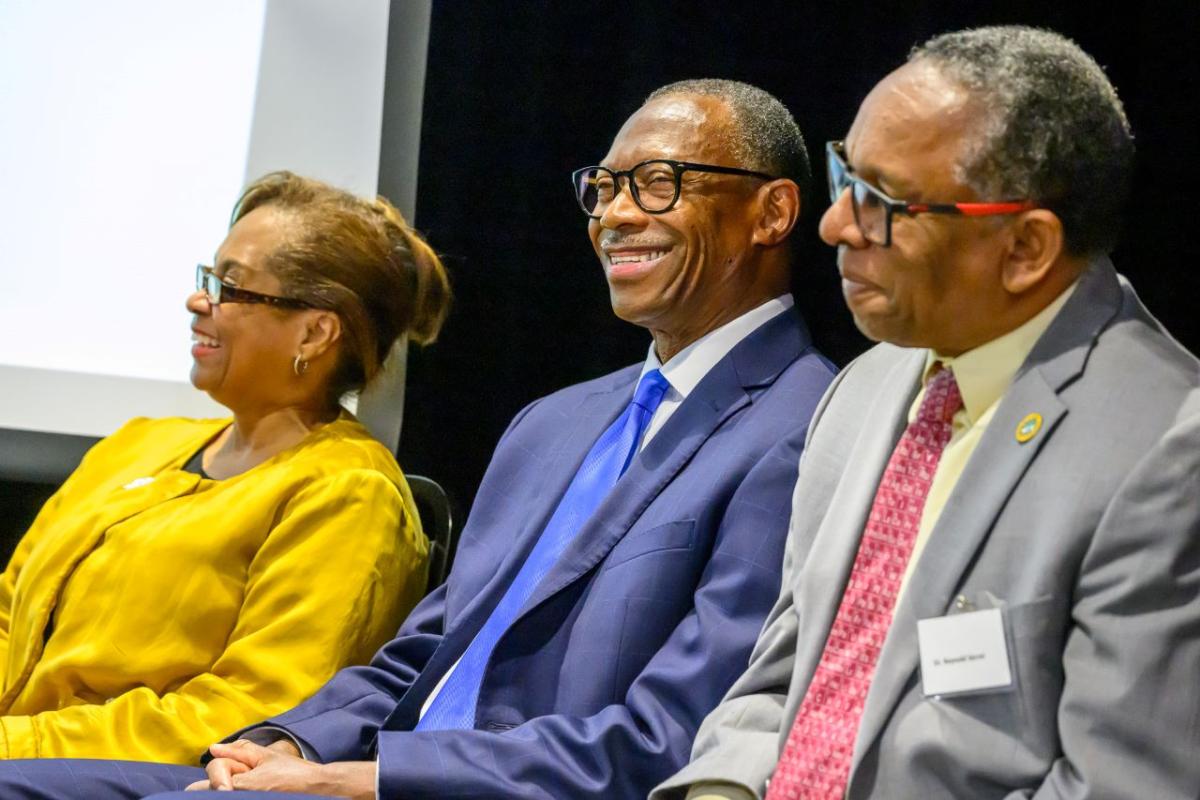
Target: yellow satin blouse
{"x":149,"y":612}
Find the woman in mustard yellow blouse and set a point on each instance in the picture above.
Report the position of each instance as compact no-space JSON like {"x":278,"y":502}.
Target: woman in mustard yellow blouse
{"x":194,"y":576}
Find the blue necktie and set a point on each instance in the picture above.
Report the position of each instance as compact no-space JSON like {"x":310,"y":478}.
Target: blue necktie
{"x":454,"y":706}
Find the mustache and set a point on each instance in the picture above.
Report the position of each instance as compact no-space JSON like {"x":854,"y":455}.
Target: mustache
{"x":610,"y":238}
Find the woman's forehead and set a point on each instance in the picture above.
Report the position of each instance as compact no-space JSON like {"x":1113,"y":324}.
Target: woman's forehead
{"x":252,"y":239}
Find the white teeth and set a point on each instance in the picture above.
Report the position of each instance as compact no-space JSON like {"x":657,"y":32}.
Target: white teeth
{"x":206,"y":341}
{"x":615,"y":258}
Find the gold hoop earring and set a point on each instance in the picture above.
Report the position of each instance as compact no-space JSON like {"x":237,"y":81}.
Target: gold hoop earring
{"x":299,"y":366}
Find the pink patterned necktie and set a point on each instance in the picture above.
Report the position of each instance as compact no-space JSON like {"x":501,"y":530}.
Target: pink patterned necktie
{"x":815,"y":764}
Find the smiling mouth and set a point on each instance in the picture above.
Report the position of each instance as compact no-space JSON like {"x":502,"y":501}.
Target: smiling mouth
{"x":634,"y":258}
{"x":204,"y":340}
{"x":632,"y":263}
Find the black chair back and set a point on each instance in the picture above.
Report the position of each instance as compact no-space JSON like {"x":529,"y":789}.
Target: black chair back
{"x":437,"y":518}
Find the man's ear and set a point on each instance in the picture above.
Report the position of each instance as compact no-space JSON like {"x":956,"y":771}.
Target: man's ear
{"x":1036,"y":246}
{"x":322,"y":330}
{"x":778,"y":208}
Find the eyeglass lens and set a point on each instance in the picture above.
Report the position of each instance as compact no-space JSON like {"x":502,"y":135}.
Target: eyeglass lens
{"x":654,"y":187}
{"x":209,"y":283}
{"x":870,"y":209}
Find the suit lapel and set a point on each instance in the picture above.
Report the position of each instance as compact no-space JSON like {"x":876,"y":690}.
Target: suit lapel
{"x":819,"y":586}
{"x":757,"y":360}
{"x":582,"y":426}
{"x":991,"y":475}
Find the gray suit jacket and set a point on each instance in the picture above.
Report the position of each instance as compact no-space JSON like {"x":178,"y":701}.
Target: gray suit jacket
{"x":1088,"y":536}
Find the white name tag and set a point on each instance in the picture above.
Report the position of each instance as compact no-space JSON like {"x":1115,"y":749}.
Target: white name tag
{"x":963,"y":653}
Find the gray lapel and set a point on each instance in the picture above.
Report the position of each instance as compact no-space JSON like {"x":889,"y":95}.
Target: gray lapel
{"x":987,"y":482}
{"x":818,"y":587}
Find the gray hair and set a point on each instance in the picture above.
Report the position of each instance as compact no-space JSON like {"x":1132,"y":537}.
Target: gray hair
{"x":1053,"y":130}
{"x":765,"y":136}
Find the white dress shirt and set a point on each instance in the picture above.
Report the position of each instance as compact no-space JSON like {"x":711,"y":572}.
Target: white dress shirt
{"x":689,"y":366}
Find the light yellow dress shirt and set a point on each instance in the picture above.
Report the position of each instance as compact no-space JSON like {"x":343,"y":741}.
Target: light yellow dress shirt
{"x":983,"y":376}
{"x":149,"y":611}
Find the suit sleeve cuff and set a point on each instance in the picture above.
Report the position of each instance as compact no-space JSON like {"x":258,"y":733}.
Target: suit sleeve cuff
{"x":269,"y":734}
{"x":719,"y":791}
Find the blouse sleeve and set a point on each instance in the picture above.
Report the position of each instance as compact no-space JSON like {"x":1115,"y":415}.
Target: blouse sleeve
{"x":8,"y":580}
{"x":330,"y":584}
{"x":42,"y":524}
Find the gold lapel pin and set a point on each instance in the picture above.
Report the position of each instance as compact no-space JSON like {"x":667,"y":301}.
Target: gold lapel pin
{"x":1028,"y":427}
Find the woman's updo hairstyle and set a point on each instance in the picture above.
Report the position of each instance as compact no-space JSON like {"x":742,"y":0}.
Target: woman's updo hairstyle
{"x":356,"y":258}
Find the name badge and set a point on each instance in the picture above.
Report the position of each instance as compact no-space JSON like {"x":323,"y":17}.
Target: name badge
{"x":963,"y":653}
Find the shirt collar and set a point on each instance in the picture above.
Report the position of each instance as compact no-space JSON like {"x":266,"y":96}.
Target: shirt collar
{"x":687,"y":368}
{"x":984,"y":373}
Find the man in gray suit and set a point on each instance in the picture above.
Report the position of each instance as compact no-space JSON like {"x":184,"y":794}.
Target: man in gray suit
{"x":992,"y":580}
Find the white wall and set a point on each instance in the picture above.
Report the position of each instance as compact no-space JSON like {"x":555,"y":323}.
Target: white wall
{"x":127,"y":129}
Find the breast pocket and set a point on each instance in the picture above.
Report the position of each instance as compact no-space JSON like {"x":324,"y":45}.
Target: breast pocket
{"x":678,"y":535}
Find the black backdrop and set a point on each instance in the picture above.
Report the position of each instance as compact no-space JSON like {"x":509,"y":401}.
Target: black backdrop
{"x":520,"y":93}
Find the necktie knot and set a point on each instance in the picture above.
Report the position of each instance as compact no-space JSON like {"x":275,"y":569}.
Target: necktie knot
{"x":650,"y":390}
{"x":942,"y":399}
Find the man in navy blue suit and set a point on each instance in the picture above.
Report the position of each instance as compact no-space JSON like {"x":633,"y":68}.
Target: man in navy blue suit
{"x":625,"y":544}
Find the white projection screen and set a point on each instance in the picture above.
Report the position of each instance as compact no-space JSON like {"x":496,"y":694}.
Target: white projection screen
{"x":128,"y":129}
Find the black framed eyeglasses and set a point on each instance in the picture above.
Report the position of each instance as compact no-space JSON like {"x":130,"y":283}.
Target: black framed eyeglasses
{"x":873,"y":210}
{"x":219,"y":292}
{"x":654,"y":184}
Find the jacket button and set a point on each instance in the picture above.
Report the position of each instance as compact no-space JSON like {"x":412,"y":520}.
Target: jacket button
{"x":498,"y":726}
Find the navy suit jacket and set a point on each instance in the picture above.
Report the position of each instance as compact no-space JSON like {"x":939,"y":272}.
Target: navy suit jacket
{"x":600,"y":684}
